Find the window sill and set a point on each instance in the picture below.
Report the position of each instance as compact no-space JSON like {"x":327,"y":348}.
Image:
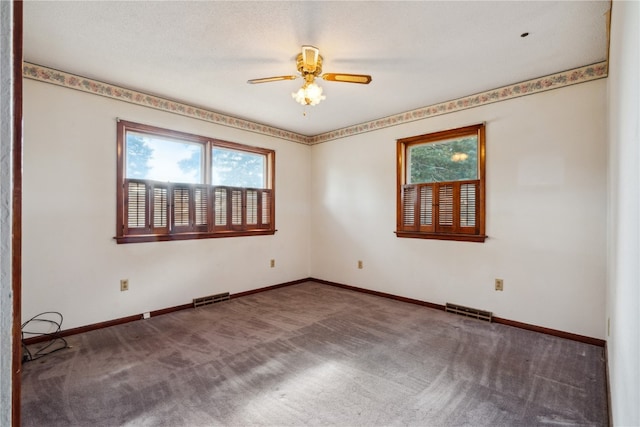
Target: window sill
{"x":141,"y":238}
{"x":442,"y":236}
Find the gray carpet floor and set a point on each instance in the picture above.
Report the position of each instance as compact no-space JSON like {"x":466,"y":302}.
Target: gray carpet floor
{"x":311,"y":355}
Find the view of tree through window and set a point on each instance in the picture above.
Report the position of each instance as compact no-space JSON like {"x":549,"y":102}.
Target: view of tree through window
{"x":162,"y":159}
{"x":452,"y":160}
{"x":237,"y":169}
{"x":138,"y":155}
{"x":167,"y":193}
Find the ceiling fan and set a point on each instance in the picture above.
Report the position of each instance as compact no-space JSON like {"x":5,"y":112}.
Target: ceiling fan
{"x":309,"y":65}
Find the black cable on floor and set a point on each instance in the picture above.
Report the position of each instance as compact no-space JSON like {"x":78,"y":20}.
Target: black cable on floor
{"x":56,"y":341}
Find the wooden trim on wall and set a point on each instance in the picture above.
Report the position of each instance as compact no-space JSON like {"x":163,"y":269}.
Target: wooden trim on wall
{"x":81,"y":329}
{"x":606,"y":381}
{"x":548,"y":331}
{"x":380,"y":294}
{"x":555,"y":332}
{"x":16,"y":215}
{"x":268,"y":288}
{"x":155,"y":313}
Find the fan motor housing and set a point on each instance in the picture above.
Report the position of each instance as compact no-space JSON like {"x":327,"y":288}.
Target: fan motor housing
{"x":304,"y":71}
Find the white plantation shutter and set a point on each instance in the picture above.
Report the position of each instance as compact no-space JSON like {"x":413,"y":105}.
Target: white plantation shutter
{"x":220,"y":206}
{"x":146,"y":208}
{"x":137,"y":213}
{"x":409,"y":194}
{"x":265,"y":217}
{"x":426,"y":206}
{"x":252,"y":207}
{"x":468,"y":205}
{"x":201,"y":199}
{"x":190,"y":208}
{"x":454,"y":210}
{"x":445,"y":206}
{"x":160,"y":206}
{"x":239,"y":208}
{"x":236,"y":207}
{"x":181,"y":207}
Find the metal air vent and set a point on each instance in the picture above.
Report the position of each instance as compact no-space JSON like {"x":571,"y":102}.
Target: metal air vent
{"x":210,"y":299}
{"x":469,"y":312}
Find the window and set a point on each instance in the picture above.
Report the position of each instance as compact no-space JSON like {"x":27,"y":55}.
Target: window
{"x":176,"y":186}
{"x":441,"y":184}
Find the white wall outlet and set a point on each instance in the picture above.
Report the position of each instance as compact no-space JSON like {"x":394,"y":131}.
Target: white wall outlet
{"x":499,"y":285}
{"x":146,"y":315}
{"x":124,"y":285}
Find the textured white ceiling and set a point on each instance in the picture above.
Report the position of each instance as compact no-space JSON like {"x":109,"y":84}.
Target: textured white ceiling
{"x":419,"y":52}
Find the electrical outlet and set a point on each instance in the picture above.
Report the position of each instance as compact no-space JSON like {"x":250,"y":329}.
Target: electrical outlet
{"x":146,"y":315}
{"x":272,"y":263}
{"x":124,"y":285}
{"x":499,"y":285}
{"x":360,"y":265}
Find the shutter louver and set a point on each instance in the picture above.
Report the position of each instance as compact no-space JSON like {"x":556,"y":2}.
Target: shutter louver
{"x":201,"y":203}
{"x":252,"y":207}
{"x":236,"y":207}
{"x":266,"y":207}
{"x":445,"y":203}
{"x":159,"y":207}
{"x":181,"y":207}
{"x":220,"y":206}
{"x":426,"y":205}
{"x":468,"y":205}
{"x":136,"y":205}
{"x":409,"y":193}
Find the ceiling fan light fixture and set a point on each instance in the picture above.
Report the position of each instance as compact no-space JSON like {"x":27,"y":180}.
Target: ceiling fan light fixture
{"x":309,"y":66}
{"x":309,"y":94}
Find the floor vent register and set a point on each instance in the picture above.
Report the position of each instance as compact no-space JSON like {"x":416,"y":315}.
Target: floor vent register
{"x":468,"y":312}
{"x":210,"y":299}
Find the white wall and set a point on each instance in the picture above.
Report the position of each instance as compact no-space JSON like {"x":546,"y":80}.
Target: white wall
{"x":546,"y":214}
{"x":623,"y":296}
{"x":546,"y":172}
{"x":71,"y":263}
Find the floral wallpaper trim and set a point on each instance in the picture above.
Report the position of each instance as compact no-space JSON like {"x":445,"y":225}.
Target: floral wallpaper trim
{"x":71,"y":81}
{"x":529,"y":87}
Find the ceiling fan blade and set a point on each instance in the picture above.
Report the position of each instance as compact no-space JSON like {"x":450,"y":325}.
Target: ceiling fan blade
{"x":271,"y":79}
{"x":348,"y":78}
{"x":310,"y":58}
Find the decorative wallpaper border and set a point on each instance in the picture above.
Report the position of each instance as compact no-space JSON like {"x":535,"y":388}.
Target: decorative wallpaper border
{"x":72,"y":81}
{"x":529,"y":87}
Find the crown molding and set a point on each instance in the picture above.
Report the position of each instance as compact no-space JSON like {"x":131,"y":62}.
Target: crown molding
{"x":541,"y":84}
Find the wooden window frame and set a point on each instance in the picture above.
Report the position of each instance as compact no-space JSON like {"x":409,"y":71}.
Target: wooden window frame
{"x":199,"y":212}
{"x":409,"y":210}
